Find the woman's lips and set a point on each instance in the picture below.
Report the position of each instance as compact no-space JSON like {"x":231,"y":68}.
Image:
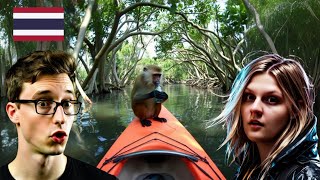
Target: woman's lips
{"x":59,"y":137}
{"x":255,"y":124}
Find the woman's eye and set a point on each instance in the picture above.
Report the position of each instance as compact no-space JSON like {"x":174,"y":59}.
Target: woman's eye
{"x":248,"y":97}
{"x":272,"y":100}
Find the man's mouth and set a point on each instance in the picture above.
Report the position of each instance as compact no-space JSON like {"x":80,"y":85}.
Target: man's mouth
{"x":59,"y":137}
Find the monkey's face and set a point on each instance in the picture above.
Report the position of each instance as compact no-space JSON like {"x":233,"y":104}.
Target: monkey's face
{"x":156,"y":78}
{"x":152,"y":75}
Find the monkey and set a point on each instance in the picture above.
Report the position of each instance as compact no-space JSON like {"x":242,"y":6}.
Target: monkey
{"x":143,"y":95}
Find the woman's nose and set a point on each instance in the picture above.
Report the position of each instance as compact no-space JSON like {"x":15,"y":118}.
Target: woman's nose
{"x":256,"y":108}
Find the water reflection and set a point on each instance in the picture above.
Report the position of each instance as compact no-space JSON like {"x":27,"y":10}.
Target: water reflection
{"x":95,"y":130}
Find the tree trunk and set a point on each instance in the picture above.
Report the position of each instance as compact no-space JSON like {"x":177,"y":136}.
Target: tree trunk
{"x":114,"y":69}
{"x":78,"y":46}
{"x":43,"y":45}
{"x":92,"y":86}
{"x":2,"y":72}
{"x":259,"y":25}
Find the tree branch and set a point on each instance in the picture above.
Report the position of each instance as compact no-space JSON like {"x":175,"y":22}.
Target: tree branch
{"x":260,"y":26}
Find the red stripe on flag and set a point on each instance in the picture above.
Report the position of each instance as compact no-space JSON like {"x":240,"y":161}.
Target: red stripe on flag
{"x":38,"y":38}
{"x":38,"y":10}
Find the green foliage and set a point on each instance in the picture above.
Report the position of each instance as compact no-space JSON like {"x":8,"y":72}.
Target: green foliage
{"x":172,"y":71}
{"x":173,"y":4}
{"x":205,"y":9}
{"x":294,"y":27}
{"x":81,"y":73}
{"x":234,"y":19}
{"x":126,"y":57}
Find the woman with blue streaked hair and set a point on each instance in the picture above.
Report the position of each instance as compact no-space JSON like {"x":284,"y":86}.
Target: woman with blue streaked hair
{"x":271,"y":128}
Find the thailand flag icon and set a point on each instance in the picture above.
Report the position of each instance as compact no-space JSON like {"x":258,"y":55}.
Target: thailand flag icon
{"x":38,"y":24}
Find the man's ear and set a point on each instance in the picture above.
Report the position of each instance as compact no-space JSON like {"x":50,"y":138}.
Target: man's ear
{"x":11,"y":109}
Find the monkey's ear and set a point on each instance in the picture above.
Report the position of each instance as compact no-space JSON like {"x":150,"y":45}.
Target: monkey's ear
{"x":145,"y":69}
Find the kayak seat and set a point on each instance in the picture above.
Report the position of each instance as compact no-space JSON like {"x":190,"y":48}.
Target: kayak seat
{"x":156,"y":176}
{"x":155,"y":167}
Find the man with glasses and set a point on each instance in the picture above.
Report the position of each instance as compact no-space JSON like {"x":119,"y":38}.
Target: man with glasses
{"x":43,"y":105}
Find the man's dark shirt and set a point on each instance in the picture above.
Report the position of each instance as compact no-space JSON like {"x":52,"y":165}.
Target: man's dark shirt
{"x":75,"y":169}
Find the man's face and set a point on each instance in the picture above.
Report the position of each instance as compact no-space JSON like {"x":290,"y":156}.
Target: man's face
{"x":44,"y":134}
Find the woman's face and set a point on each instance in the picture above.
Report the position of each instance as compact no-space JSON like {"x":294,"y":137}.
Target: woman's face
{"x":264,"y":110}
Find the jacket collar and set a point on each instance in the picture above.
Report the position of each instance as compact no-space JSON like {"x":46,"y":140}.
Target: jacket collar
{"x":305,"y":145}
{"x":303,"y":148}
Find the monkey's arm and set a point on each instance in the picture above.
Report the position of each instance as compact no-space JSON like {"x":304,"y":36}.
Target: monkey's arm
{"x":161,"y":95}
{"x":153,"y":94}
{"x":139,"y":98}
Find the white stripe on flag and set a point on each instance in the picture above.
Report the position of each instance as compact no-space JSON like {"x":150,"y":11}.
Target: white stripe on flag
{"x":38,"y":32}
{"x":38,"y":15}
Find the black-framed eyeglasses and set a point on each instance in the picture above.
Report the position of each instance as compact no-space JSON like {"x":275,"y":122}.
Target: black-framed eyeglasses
{"x":48,"y":107}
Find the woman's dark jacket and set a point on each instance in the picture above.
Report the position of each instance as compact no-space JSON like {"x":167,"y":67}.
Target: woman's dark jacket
{"x":298,"y":161}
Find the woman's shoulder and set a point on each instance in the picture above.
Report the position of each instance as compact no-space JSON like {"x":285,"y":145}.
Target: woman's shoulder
{"x":309,"y":170}
{"x":302,"y":170}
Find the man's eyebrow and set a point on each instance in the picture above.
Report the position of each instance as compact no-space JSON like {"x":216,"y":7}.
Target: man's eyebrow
{"x":69,"y":91}
{"x":48,"y":92}
{"x":44,"y":92}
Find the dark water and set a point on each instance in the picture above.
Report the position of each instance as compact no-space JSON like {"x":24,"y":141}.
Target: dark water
{"x":97,"y":129}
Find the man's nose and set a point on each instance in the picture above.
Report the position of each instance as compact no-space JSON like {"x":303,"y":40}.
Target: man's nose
{"x":59,"y":116}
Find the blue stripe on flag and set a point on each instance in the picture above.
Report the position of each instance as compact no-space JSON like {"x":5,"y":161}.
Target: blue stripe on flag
{"x":38,"y":24}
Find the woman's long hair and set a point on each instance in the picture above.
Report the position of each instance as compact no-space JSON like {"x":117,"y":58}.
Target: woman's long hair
{"x":296,"y":87}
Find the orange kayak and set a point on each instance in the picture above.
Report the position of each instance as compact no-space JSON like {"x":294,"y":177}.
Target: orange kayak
{"x":161,"y":151}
